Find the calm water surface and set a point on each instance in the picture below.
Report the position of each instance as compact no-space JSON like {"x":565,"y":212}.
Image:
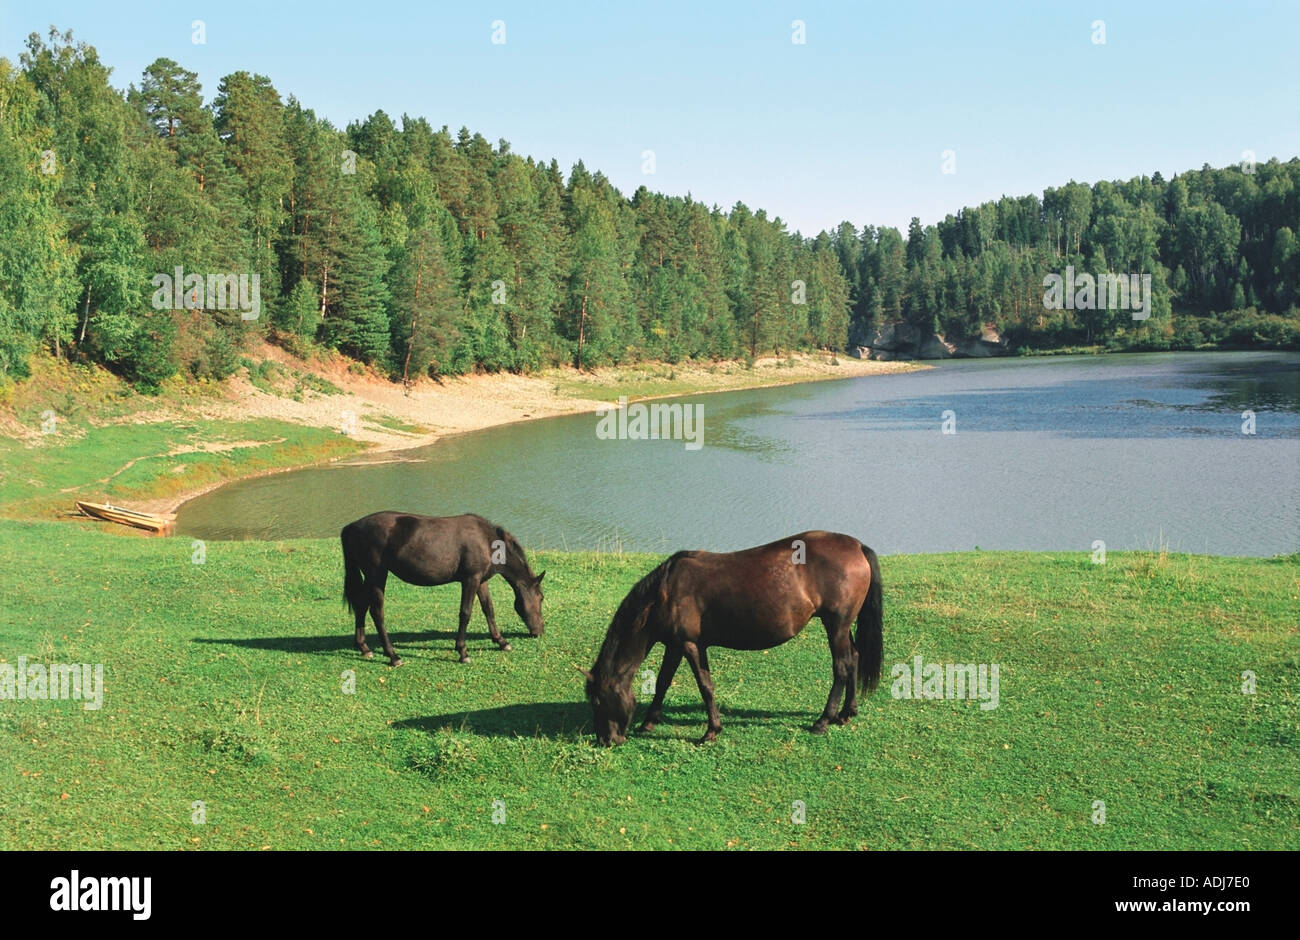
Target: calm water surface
{"x":1141,"y":451}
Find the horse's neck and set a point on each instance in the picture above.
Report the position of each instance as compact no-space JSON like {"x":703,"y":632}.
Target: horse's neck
{"x":619,"y":659}
{"x":515,"y":569}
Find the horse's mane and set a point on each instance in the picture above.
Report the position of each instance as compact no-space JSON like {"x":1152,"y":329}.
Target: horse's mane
{"x":634,"y":611}
{"x":514,"y":548}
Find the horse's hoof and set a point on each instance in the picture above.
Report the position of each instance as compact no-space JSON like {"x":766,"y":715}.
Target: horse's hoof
{"x":708,"y":737}
{"x":464,"y":659}
{"x":506,"y":647}
{"x":367,"y":655}
{"x":843,"y":719}
{"x":397,"y":661}
{"x":646,"y":728}
{"x":819,"y":727}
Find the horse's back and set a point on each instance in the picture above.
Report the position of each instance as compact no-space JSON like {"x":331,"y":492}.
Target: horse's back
{"x":835,"y":569}
{"x":419,"y":549}
{"x":392,"y":523}
{"x":760,"y":597}
{"x":377,"y":523}
{"x":795,"y":553}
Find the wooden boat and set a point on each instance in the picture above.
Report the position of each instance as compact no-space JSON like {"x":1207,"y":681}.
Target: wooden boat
{"x":141,"y":520}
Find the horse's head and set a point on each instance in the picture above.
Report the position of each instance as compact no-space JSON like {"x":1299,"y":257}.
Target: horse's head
{"x":528,"y":603}
{"x":612,"y":705}
{"x":628,"y":639}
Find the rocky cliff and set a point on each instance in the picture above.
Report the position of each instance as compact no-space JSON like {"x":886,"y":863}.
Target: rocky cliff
{"x":904,"y":341}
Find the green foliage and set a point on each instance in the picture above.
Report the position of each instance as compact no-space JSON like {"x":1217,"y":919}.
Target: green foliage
{"x":140,"y":347}
{"x":220,"y":356}
{"x":313,"y":382}
{"x":36,"y":258}
{"x":421,"y":252}
{"x":1246,"y":329}
{"x":299,"y":313}
{"x":262,"y":375}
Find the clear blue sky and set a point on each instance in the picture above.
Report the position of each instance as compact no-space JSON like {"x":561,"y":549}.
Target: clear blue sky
{"x":851,"y":125}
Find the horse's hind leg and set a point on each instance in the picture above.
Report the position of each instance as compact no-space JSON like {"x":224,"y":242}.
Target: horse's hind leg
{"x":357,"y":592}
{"x":485,"y":601}
{"x":468,"y":591}
{"x":699,"y":660}
{"x":842,"y":668}
{"x":850,"y":708}
{"x":377,"y":614}
{"x":361,"y":629}
{"x":672,"y":659}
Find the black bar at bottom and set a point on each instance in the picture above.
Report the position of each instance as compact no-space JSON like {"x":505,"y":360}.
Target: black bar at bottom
{"x":333,"y":889}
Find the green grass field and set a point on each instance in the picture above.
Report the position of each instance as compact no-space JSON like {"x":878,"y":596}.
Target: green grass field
{"x":224,"y":683}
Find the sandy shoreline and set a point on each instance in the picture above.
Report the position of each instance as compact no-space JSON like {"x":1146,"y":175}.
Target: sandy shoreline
{"x":390,"y":419}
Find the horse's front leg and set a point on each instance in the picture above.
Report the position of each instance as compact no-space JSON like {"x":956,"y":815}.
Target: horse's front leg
{"x":468,"y":591}
{"x":672,"y":659}
{"x":699,"y":660}
{"x":485,"y":601}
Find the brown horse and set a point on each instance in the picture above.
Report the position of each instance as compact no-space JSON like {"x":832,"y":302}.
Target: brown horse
{"x":429,"y":550}
{"x":749,"y":600}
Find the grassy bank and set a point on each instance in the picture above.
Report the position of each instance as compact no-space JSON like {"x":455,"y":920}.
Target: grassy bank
{"x":224,"y":684}
{"x":140,"y":463}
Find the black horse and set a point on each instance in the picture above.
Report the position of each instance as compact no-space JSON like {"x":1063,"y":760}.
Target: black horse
{"x":749,"y":600}
{"x":430,"y":550}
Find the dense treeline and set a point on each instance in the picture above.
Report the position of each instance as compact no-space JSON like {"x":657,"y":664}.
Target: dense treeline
{"x":1212,"y":241}
{"x":426,"y":253}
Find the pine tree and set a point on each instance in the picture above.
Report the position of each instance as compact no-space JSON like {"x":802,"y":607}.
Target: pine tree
{"x":250,"y":122}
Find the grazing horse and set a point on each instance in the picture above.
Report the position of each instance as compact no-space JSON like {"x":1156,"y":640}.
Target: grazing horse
{"x":430,"y":550}
{"x":750,"y":600}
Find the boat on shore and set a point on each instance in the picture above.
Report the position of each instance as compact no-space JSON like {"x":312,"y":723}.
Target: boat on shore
{"x":153,"y":522}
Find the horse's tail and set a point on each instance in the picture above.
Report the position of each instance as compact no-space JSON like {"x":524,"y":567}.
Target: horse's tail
{"x":354,"y":585}
{"x":870,"y":639}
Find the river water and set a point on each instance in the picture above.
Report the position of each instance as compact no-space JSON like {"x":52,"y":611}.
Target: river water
{"x":1140,"y":451}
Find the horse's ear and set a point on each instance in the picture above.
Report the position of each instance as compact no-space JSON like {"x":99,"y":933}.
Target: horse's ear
{"x":590,"y":677}
{"x":538,"y":579}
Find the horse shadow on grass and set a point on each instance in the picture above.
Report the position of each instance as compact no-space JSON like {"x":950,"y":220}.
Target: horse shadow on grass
{"x":564,"y":719}
{"x":423,"y":640}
